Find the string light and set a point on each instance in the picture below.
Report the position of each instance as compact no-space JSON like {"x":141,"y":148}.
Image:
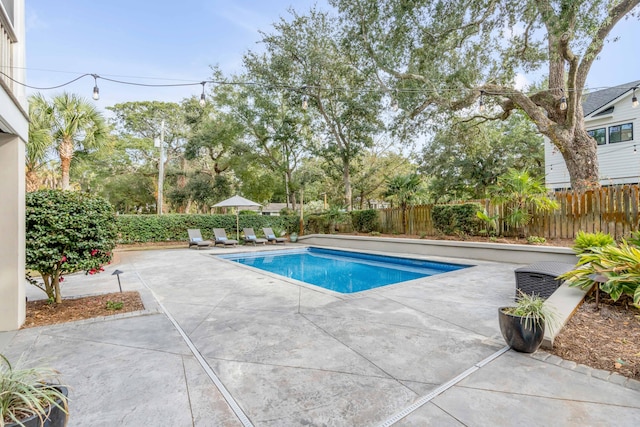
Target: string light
{"x":305,"y":102}
{"x":96,"y":91}
{"x":563,"y":101}
{"x":203,"y":100}
{"x":394,"y":104}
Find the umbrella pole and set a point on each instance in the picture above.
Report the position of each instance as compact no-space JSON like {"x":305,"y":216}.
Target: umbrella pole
{"x":237,"y":226}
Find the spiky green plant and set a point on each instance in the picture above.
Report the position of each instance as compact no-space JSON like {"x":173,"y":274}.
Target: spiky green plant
{"x":27,"y":392}
{"x":620,"y":265}
{"x":532,"y":311}
{"x":585,"y":241}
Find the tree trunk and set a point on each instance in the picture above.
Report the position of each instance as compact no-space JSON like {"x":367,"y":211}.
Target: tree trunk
{"x":32,"y":181}
{"x":580,"y":155}
{"x":291,"y":197}
{"x":346,"y":179}
{"x":65,"y":150}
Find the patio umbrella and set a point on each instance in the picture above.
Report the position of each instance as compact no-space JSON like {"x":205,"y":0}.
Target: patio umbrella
{"x":235,"y":202}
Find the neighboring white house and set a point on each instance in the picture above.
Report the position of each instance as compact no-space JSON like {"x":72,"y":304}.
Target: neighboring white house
{"x":611,"y":118}
{"x":14,"y":128}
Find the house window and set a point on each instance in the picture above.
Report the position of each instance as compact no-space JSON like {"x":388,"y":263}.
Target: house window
{"x":621,"y":133}
{"x":600,"y":135}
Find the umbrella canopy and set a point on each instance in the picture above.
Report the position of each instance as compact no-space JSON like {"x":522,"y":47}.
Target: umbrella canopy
{"x":234,"y":202}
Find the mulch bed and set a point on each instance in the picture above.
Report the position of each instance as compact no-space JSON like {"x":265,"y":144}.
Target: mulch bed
{"x":41,"y":312}
{"x":605,"y":337}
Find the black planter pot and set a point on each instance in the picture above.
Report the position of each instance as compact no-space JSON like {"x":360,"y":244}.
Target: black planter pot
{"x":55,"y":416}
{"x":517,"y":336}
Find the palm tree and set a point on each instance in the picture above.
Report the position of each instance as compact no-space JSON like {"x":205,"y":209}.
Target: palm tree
{"x":520,"y":191}
{"x":74,"y":124}
{"x":38,"y":145}
{"x":405,"y":190}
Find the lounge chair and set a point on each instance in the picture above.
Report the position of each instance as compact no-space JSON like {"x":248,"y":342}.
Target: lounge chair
{"x":221,"y":238}
{"x":271,"y":236}
{"x":250,"y":237}
{"x":195,"y":239}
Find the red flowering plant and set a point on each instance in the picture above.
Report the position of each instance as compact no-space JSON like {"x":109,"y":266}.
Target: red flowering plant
{"x":66,"y":232}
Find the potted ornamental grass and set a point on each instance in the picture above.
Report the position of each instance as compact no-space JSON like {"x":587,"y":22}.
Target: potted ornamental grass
{"x":31,"y":397}
{"x":523,"y":325}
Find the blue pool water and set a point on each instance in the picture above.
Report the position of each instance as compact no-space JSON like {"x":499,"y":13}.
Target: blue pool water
{"x":341,"y":271}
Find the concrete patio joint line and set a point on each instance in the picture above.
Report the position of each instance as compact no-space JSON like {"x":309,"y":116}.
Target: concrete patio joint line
{"x":203,"y":363}
{"x":444,"y":387}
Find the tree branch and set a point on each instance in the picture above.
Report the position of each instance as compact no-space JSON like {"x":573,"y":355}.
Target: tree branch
{"x":597,"y":43}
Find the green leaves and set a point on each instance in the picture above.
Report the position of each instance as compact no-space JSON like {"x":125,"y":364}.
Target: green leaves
{"x":173,"y":227}
{"x":585,"y":241}
{"x":519,"y":191}
{"x":620,"y":266}
{"x":27,"y":392}
{"x":67,"y":232}
{"x":532,"y":310}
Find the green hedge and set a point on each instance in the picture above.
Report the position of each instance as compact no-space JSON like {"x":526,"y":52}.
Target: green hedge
{"x":365,"y":221}
{"x":456,"y":219}
{"x":173,"y":227}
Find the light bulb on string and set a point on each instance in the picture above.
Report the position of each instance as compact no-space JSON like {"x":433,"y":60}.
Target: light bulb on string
{"x":203,"y":100}
{"x":563,"y":101}
{"x":481,"y":102}
{"x":96,"y":90}
{"x":634,"y":99}
{"x":305,"y":102}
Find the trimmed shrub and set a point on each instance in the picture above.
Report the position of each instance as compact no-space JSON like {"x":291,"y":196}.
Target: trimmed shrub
{"x":365,"y":221}
{"x":456,"y":219}
{"x":287,"y":212}
{"x":173,"y":227}
{"x":67,"y":232}
{"x":317,"y":224}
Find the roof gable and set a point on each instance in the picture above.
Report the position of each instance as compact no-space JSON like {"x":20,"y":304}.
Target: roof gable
{"x":593,"y":101}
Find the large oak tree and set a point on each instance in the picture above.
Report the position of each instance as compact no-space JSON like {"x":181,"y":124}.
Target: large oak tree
{"x":442,"y":55}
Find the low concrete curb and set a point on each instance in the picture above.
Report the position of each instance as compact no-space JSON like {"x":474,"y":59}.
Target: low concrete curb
{"x":498,"y":252}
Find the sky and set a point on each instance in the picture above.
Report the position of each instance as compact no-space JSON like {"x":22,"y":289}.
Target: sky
{"x":163,"y":41}
{"x":178,"y":42}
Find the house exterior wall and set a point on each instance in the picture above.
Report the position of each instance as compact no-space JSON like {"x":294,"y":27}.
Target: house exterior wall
{"x":618,"y":162}
{"x":14,"y":129}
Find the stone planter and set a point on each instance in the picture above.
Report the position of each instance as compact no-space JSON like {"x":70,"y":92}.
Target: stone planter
{"x":517,"y":336}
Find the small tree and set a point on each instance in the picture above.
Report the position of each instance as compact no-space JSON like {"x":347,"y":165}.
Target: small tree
{"x":404,"y":189}
{"x":519,"y":191}
{"x":67,"y":232}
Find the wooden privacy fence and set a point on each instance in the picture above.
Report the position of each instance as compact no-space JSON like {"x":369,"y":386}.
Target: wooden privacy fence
{"x":612,"y":210}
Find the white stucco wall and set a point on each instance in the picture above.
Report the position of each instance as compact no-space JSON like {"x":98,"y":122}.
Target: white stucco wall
{"x":14,"y":125}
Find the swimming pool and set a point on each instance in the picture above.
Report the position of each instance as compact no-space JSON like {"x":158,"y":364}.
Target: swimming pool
{"x":342,"y":271}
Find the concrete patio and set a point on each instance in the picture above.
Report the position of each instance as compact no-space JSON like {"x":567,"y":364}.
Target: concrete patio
{"x":223,"y":345}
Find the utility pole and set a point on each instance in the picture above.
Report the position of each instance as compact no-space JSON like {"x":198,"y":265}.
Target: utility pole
{"x":161,"y":170}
